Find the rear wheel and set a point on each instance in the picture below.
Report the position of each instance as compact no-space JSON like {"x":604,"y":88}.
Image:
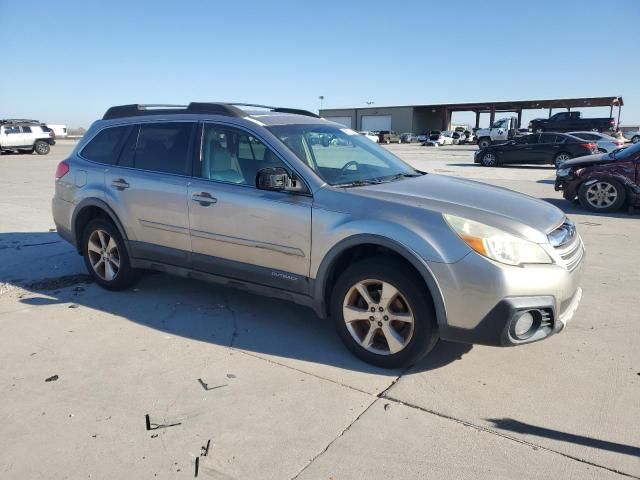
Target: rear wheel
{"x":489,"y":159}
{"x":602,"y":196}
{"x":561,"y":157}
{"x":41,"y":147}
{"x":484,"y":142}
{"x":106,"y":256}
{"x":383,"y":314}
{"x":635,"y":139}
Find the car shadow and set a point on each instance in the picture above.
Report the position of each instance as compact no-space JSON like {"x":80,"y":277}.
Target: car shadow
{"x":189,"y":308}
{"x":510,"y":167}
{"x":576,"y":208}
{"x":516,"y":426}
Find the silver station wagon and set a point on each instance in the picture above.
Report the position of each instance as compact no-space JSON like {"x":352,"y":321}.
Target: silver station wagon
{"x":283,"y":203}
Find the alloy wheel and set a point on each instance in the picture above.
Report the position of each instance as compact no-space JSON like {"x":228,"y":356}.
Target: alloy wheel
{"x":489,"y":159}
{"x":601,"y":195}
{"x":104,"y":255}
{"x":41,"y":147}
{"x":563,"y":157}
{"x":378,"y":317}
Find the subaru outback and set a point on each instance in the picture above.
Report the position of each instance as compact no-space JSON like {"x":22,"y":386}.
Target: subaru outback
{"x":283,"y":203}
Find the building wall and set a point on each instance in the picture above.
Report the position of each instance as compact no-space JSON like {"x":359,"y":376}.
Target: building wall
{"x":401,"y":117}
{"x":425,"y":120}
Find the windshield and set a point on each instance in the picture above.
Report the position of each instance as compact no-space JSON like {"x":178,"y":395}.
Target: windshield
{"x":627,"y":152}
{"x":340,"y":156}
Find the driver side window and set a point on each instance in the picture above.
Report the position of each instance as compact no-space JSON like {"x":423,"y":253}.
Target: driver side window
{"x":231,"y":155}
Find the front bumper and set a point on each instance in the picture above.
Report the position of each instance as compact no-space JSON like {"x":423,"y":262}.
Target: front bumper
{"x":483,"y":299}
{"x":568,"y":186}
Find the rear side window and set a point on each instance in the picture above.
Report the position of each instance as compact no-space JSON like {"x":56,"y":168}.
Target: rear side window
{"x":103,"y":148}
{"x":547,"y":138}
{"x":163,"y":147}
{"x":560,"y":139}
{"x":26,"y":129}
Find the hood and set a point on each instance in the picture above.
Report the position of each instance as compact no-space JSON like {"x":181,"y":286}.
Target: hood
{"x":538,"y":120}
{"x":588,"y":160}
{"x":513,"y":212}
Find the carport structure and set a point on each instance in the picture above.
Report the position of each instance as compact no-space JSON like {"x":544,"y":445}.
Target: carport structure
{"x":422,"y":118}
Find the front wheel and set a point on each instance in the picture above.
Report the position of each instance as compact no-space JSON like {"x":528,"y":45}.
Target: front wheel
{"x":41,"y":147}
{"x":635,"y":139}
{"x":602,"y":196}
{"x":489,"y":159}
{"x":484,"y":143}
{"x":383,"y":313}
{"x":106,"y":256}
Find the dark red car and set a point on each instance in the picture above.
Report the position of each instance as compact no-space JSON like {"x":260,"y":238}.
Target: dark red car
{"x":603,"y":182}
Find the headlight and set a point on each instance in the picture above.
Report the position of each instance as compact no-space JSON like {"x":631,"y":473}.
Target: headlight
{"x":563,"y":172}
{"x":496,"y":244}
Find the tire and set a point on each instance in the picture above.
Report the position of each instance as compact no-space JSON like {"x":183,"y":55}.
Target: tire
{"x":411,"y":340}
{"x":489,"y":159}
{"x":41,"y":147}
{"x":484,"y":143}
{"x":589,"y":198}
{"x":635,"y":139}
{"x":123,"y":275}
{"x":561,"y":157}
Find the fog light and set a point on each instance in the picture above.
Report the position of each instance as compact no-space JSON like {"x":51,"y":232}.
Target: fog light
{"x":523,"y":324}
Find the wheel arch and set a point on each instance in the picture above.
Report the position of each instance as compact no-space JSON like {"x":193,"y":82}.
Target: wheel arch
{"x":362,"y":246}
{"x":89,"y":209}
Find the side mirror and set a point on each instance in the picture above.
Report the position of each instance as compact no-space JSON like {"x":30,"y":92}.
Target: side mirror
{"x":277,"y":179}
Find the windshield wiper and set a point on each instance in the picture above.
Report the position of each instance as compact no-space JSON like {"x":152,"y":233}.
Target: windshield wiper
{"x":358,"y":183}
{"x":397,"y":176}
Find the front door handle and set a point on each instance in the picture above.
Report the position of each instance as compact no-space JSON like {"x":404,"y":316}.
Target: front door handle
{"x":119,"y":183}
{"x":203,"y":198}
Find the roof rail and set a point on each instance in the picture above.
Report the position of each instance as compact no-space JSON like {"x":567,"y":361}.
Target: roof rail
{"x":21,"y":120}
{"x":228,"y":109}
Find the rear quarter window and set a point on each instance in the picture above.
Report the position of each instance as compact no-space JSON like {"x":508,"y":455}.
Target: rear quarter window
{"x":104,"y":147}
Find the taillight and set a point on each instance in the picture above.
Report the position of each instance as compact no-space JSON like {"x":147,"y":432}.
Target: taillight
{"x":588,"y":146}
{"x":62,"y":170}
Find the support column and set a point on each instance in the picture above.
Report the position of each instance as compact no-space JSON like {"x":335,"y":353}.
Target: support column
{"x":477,"y":119}
{"x":492,"y":116}
{"x":550,"y":112}
{"x":618,"y":122}
{"x":611,"y":110}
{"x":519,"y":119}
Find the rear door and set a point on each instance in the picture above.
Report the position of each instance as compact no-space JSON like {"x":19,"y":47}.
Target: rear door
{"x":237,"y":230}
{"x":12,"y":136}
{"x":147,"y":189}
{"x":549,"y":146}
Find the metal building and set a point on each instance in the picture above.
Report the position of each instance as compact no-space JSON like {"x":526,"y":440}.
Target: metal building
{"x":424,"y":118}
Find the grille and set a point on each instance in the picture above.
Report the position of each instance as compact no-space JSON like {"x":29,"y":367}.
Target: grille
{"x":567,"y":242}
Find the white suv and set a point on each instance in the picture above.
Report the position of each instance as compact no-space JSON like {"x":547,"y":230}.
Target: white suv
{"x":25,"y":136}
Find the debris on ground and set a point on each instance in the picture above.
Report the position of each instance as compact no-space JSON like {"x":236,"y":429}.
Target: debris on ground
{"x":52,"y":378}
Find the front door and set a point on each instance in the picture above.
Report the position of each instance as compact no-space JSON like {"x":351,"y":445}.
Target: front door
{"x":147,"y":189}
{"x":239,"y":231}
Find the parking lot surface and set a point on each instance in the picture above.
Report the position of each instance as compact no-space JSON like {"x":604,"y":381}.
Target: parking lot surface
{"x":269,"y":387}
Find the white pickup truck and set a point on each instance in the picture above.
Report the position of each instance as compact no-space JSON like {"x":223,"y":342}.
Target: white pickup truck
{"x":502,"y":130}
{"x":20,"y":136}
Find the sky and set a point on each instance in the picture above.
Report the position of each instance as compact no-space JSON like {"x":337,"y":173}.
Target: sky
{"x":69,"y":65}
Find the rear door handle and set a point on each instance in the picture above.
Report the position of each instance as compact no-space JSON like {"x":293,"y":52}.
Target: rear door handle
{"x":119,"y":183}
{"x":203,"y":198}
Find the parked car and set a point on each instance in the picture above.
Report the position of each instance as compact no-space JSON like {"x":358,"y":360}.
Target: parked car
{"x":408,"y":138}
{"x":371,"y":136}
{"x":553,"y":148}
{"x":605,"y":143}
{"x":354,"y":233}
{"x":25,"y":136}
{"x":603,"y":182}
{"x":423,"y":137}
{"x":438,"y":138}
{"x":571,"y":121}
{"x":388,"y":136}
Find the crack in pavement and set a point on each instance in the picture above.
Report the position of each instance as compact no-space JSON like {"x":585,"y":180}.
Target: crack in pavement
{"x":508,"y":437}
{"x":348,"y":427}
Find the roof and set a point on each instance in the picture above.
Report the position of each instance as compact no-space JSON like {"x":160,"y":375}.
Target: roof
{"x":509,"y":106}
